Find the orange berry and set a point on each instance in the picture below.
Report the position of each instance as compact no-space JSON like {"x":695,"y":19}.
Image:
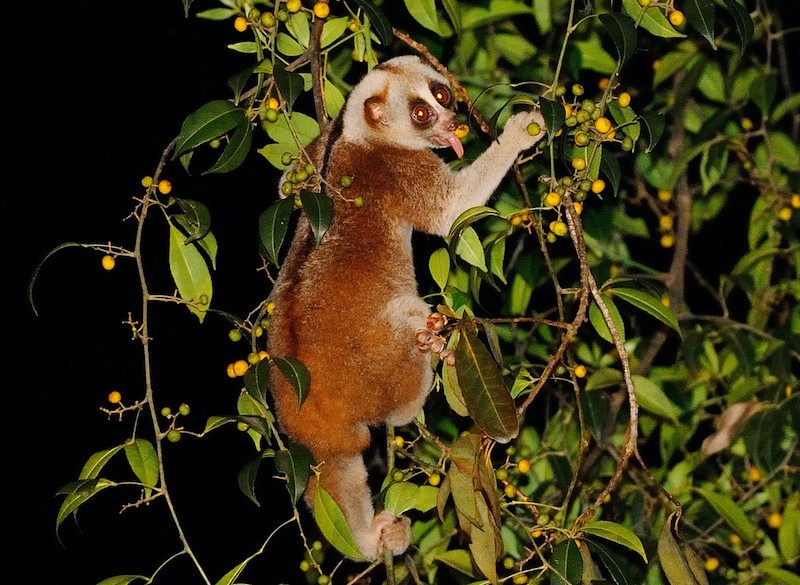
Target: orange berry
{"x":754,"y":474}
{"x":108,"y":262}
{"x":230,"y":371}
{"x":578,"y":163}
{"x":273,"y":104}
{"x":523,"y":466}
{"x":775,"y":520}
{"x":321,"y":9}
{"x":240,"y":367}
{"x":114,"y":397}
{"x":567,"y":110}
{"x":552,"y":199}
{"x":676,"y":17}
{"x":602,"y":125}
{"x":603,"y":83}
{"x":578,"y":207}
{"x":665,"y":223}
{"x":240,"y":23}
{"x":598,"y":185}
{"x":164,"y":187}
{"x":461,"y":131}
{"x":580,"y":371}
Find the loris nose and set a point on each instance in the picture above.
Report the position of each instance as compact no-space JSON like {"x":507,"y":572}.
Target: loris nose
{"x":451,"y":122}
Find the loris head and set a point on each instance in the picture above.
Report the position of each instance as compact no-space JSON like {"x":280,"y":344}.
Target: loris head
{"x":403,"y":102}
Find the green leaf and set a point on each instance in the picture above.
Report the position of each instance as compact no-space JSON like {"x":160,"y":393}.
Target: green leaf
{"x":604,"y":378}
{"x":700,"y":15}
{"x":143,"y":459}
{"x":616,"y":533}
{"x":424,"y":12}
{"x":599,"y":323}
{"x":488,"y":401}
{"x":297,"y":25}
{"x":318,"y":207}
{"x":672,"y":558}
{"x":764,"y":90}
{"x":789,"y":531}
{"x":453,"y":12}
{"x":609,"y":166}
{"x":333,"y":29}
{"x":567,"y":561}
{"x":469,"y":248}
{"x":778,"y":576}
{"x":208,"y":122}
{"x":439,"y":266}
{"x":196,"y":218}
{"x":381,"y":24}
{"x":653,"y":20}
{"x":333,"y":525}
{"x":122,"y":579}
{"x":553,"y":114}
{"x":289,"y":84}
{"x":78,"y":492}
{"x":654,"y":123}
{"x":297,"y":374}
{"x":305,"y":127}
{"x":246,"y":479}
{"x":649,"y":304}
{"x":256,"y":381}
{"x":404,"y":495}
{"x":190,"y":272}
{"x":652,"y":398}
{"x":273,"y":224}
{"x":731,"y":512}
{"x":617,"y":566}
{"x":236,"y":150}
{"x":622,"y":30}
{"x":457,"y":559}
{"x":742,"y":21}
{"x":468,"y":217}
{"x":296,"y":463}
{"x":231,"y":576}
{"x":94,"y":465}
{"x":785,"y":106}
{"x":764,"y":436}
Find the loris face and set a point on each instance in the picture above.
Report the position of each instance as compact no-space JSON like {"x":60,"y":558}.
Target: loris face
{"x":403,"y":102}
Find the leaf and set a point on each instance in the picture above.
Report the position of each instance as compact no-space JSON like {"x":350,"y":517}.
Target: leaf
{"x":457,"y":559}
{"x":469,"y":248}
{"x":649,"y":304}
{"x":403,"y":496}
{"x":236,"y":150}
{"x":208,"y":122}
{"x":94,"y":465}
{"x":439,"y":267}
{"x":297,"y":374}
{"x":196,"y":218}
{"x":424,"y":12}
{"x":488,"y":401}
{"x":731,"y":512}
{"x":333,"y":525}
{"x":727,"y":426}
{"x":672,"y":559}
{"x":256,"y":381}
{"x":623,"y":32}
{"x":485,"y":545}
{"x":468,"y":217}
{"x":318,"y":207}
{"x":332,"y":30}
{"x":246,"y":479}
{"x":616,"y":533}
{"x":190,"y":272}
{"x":742,"y":21}
{"x":143,"y":459}
{"x":789,"y":531}
{"x":289,"y":84}
{"x":553,"y":114}
{"x":654,"y":123}
{"x":78,"y":493}
{"x":652,"y":398}
{"x":231,"y":576}
{"x":763,"y":436}
{"x":597,"y":319}
{"x":609,"y":166}
{"x":700,"y":15}
{"x":567,"y":561}
{"x":273,"y":223}
{"x":382,"y":26}
{"x":617,"y":566}
{"x":295,"y":462}
{"x":778,"y":576}
{"x":453,"y":12}
{"x":653,"y":20}
{"x":122,"y":579}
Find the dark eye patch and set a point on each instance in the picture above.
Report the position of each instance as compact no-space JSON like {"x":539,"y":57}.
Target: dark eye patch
{"x":442,"y":94}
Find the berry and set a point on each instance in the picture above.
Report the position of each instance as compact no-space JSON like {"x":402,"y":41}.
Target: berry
{"x":173,"y":435}
{"x":536,"y":533}
{"x":501,"y":474}
{"x":321,"y":9}
{"x":234,"y":335}
{"x":667,"y":241}
{"x":581,"y":139}
{"x":712,"y":564}
{"x":552,"y":199}
{"x":567,"y":110}
{"x":268,"y":19}
{"x":747,"y":124}
{"x":461,"y":131}
{"x":664,"y":196}
{"x":240,"y":23}
{"x":114,"y":397}
{"x":147,"y":181}
{"x":534,"y":129}
{"x":305,"y":565}
{"x":323,"y":580}
{"x":508,"y":563}
{"x":286,"y":159}
{"x":580,"y":371}
{"x":184,"y":409}
{"x":434,"y":479}
{"x":254,"y":14}
{"x":644,"y":3}
{"x":293,"y":5}
{"x":523,"y":465}
{"x":520,"y":579}
{"x":735,"y":539}
{"x":345,"y":181}
{"x":242,"y":426}
{"x":358,"y":201}
{"x":240,"y":367}
{"x":602,"y":125}
{"x":785,"y":213}
{"x":598,"y":185}
{"x":676,"y":17}
{"x":559,"y":228}
{"x":578,"y":207}
{"x":775,"y":520}
{"x":166,"y":411}
{"x":794,"y":201}
{"x":271,"y":115}
{"x":627,"y":144}
{"x":624,"y":99}
{"x":230,"y":371}
{"x":399,"y":442}
{"x":665,"y":223}
{"x":108,"y":262}
{"x":164,"y":187}
{"x":577,"y":89}
{"x":603,"y":83}
{"x":397,"y":475}
{"x":510,"y":491}
{"x":578,"y":163}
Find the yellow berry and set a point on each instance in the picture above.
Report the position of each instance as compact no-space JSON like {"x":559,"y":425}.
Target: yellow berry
{"x":240,"y":367}
{"x":108,"y":262}
{"x":534,"y":129}
{"x":644,"y":3}
{"x":240,"y":23}
{"x":321,"y":9}
{"x":164,"y":187}
{"x":775,"y":520}
{"x":712,"y":564}
{"x":559,"y":228}
{"x":523,"y":466}
{"x":552,"y":199}
{"x":665,"y":301}
{"x":598,"y":185}
{"x":263,"y":355}
{"x":114,"y":397}
{"x":664,"y":196}
{"x":602,"y":124}
{"x":624,"y":99}
{"x":754,"y":474}
{"x":147,"y":181}
{"x":293,"y":5}
{"x":520,"y":579}
{"x":434,"y":479}
{"x":516,"y":220}
{"x":461,"y":131}
{"x":606,"y":498}
{"x":794,"y":201}
{"x":788,"y":390}
{"x":747,"y":124}
{"x":735,"y":539}
{"x":399,"y":441}
{"x":656,"y":64}
{"x":510,"y":491}
{"x":667,"y":241}
{"x":230,"y":371}
{"x":273,"y":104}
{"x":567,"y":110}
{"x":676,"y":17}
{"x":578,"y":207}
{"x":578,"y":163}
{"x":536,"y":533}
{"x":785,"y":213}
{"x":580,"y":371}
{"x":665,"y":223}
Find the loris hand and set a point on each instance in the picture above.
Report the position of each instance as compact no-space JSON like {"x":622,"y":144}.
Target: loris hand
{"x":516,"y":130}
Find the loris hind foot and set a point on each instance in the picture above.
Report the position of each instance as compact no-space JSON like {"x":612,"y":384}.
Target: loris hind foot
{"x":429,"y":340}
{"x":395,"y":532}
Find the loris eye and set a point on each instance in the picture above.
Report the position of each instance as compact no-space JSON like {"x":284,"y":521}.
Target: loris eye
{"x":421,"y":114}
{"x":442,"y":95}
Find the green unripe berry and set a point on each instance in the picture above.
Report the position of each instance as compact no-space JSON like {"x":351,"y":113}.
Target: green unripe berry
{"x":173,"y":435}
{"x":184,"y":409}
{"x":560,"y":90}
{"x":254,"y":14}
{"x":571,"y":121}
{"x":566,"y":181}
{"x":283,"y":16}
{"x":501,"y":474}
{"x":508,"y":563}
{"x":316,"y":545}
{"x":627,"y":144}
{"x":271,"y":115}
{"x":534,"y":129}
{"x":346,"y":181}
{"x":304,"y":565}
{"x":310,"y":169}
{"x":588,"y":106}
{"x":581,"y":139}
{"x":596,"y":114}
{"x":215,"y":143}
{"x":287,"y":188}
{"x":242,"y":426}
{"x":300,"y":176}
{"x":323,"y":580}
{"x":510,"y":451}
{"x":358,"y":201}
{"x":166,"y":411}
{"x":551,"y":238}
{"x":286,"y":159}
{"x":397,"y":475}
{"x":543,"y":520}
{"x":582,"y":116}
{"x":586,"y":185}
{"x":577,"y":89}
{"x":581,"y":195}
{"x":253,"y":358}
{"x":268,"y":19}
{"x":234,"y":335}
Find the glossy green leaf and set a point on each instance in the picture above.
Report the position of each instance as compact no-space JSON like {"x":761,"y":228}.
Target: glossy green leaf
{"x":742,"y":21}
{"x":246,"y":478}
{"x":94,"y":465}
{"x":236,"y":150}
{"x":190,"y":272}
{"x":297,"y":24}
{"x":672,"y":558}
{"x":616,"y":533}
{"x":654,"y":123}
{"x":439,"y":266}
{"x":379,"y":22}
{"x":333,"y":525}
{"x":332,"y":30}
{"x":700,"y":15}
{"x":567,"y":564}
{"x":289,"y":84}
{"x":208,"y":122}
{"x":598,"y":321}
{"x":469,"y":248}
{"x":78,"y":492}
{"x":454,"y":13}
{"x":297,"y":375}
{"x":295,"y":463}
{"x":273,"y":224}
{"x":404,"y":495}
{"x":231,"y":577}
{"x":196,"y":218}
{"x":122,"y":580}
{"x":488,"y":401}
{"x":649,"y":304}
{"x":609,"y":166}
{"x":652,"y":398}
{"x":553,"y":114}
{"x":470,"y":216}
{"x":256,"y":381}
{"x":617,"y":566}
{"x":143,"y":459}
{"x":318,"y":208}
{"x":255,"y":422}
{"x":653,"y":20}
{"x":622,"y":30}
{"x":424,"y":12}
{"x":458,"y":559}
{"x":764,"y":434}
{"x":731,"y":512}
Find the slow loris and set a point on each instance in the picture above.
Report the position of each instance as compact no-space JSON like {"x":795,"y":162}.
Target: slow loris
{"x":348,"y":308}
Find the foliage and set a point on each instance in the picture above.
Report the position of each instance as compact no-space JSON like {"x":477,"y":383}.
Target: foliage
{"x":622,"y":405}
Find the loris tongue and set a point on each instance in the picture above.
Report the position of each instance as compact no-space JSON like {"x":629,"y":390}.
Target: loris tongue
{"x":455,"y":144}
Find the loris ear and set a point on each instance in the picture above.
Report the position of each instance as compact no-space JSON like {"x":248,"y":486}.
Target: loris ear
{"x":375,"y":110}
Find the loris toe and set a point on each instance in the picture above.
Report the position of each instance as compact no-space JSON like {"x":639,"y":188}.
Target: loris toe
{"x":395,"y":534}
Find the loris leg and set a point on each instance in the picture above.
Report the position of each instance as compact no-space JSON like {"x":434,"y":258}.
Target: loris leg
{"x":344,"y":477}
